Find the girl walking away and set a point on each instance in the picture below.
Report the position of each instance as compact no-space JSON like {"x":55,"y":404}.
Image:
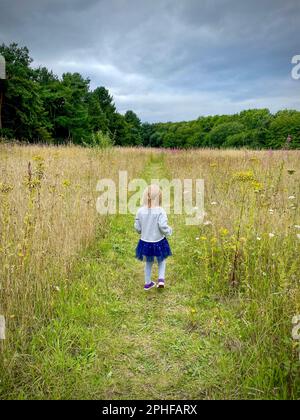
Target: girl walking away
{"x":152,"y":224}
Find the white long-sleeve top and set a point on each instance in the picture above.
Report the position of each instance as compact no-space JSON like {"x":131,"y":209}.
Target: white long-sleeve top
{"x":152,"y":224}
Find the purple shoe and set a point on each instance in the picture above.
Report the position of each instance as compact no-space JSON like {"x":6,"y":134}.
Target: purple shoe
{"x":149,"y":286}
{"x":161,"y":284}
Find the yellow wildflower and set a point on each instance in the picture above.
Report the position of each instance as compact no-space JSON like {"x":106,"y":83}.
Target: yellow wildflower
{"x":244,"y":176}
{"x":66,"y":183}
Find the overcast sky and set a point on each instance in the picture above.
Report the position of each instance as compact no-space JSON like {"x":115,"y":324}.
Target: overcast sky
{"x":167,"y":60}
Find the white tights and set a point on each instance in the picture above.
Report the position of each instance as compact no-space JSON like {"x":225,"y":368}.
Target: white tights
{"x":161,"y":270}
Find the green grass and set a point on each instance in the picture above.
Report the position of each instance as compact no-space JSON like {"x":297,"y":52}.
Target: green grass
{"x":109,"y":339}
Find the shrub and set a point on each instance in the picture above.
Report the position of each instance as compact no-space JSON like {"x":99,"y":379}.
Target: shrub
{"x":100,"y":140}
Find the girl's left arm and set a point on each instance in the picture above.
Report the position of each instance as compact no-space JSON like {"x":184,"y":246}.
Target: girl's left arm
{"x":163,"y":224}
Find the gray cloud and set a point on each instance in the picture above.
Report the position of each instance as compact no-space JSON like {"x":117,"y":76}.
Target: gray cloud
{"x":167,"y":59}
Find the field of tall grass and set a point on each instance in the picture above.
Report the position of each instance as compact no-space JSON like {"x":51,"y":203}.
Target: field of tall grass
{"x":226,"y":320}
{"x":247,"y":252}
{"x":47,"y":216}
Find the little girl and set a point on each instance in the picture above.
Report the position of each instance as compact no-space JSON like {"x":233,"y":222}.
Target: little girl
{"x":152,"y":224}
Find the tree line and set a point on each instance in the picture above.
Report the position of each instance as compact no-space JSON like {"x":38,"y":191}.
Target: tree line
{"x":38,"y":106}
{"x":254,"y":128}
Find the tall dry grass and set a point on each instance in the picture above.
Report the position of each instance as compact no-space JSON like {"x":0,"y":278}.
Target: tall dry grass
{"x":247,"y":251}
{"x":47,"y":216}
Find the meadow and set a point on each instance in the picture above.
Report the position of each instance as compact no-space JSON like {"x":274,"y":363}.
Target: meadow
{"x":78,"y":322}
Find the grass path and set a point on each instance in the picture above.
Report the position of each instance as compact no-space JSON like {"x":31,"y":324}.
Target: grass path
{"x":110,"y":339}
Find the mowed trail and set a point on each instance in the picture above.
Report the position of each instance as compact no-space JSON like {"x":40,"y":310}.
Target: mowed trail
{"x":109,"y":339}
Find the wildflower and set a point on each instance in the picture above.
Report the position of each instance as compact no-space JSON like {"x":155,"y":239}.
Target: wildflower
{"x":197,"y":239}
{"x":38,"y":158}
{"x":66,"y":183}
{"x":224,"y":232}
{"x":271,"y":211}
{"x":258,"y":238}
{"x":271,"y":235}
{"x":244,"y":176}
{"x":203,"y":238}
{"x":257,"y":186}
{"x":298,"y":236}
{"x":292,"y":197}
{"x":39,"y":169}
{"x":214,"y":203}
{"x":193,"y":311}
{"x":297,"y":226}
{"x":56,"y":288}
{"x":207,"y":223}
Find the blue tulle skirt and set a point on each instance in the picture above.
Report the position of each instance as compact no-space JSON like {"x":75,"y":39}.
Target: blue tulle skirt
{"x":150,"y":250}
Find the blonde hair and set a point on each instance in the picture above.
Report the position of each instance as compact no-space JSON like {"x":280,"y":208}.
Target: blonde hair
{"x":152,"y":196}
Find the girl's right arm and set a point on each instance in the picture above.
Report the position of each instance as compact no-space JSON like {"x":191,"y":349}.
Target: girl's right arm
{"x":137,"y":224}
